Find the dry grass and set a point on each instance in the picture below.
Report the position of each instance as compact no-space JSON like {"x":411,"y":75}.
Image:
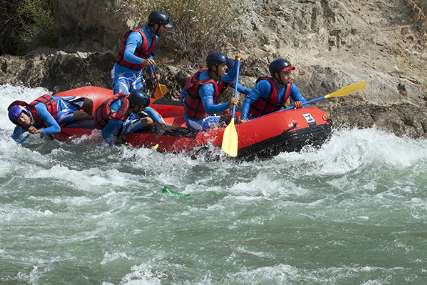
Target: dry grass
{"x":200,"y":26}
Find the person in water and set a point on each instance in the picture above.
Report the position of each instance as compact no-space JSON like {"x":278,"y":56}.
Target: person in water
{"x":123,"y":114}
{"x":46,"y":114}
{"x":271,"y":93}
{"x":202,"y":89}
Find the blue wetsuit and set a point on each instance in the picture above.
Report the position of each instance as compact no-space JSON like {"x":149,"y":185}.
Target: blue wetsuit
{"x":262,"y":90}
{"x":206,"y":93}
{"x":127,"y":80}
{"x":131,"y":124}
{"x":66,"y":106}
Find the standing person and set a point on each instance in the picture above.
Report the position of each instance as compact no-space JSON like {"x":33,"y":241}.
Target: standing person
{"x":136,"y":54}
{"x":202,"y":89}
{"x":46,"y":114}
{"x":271,"y":93}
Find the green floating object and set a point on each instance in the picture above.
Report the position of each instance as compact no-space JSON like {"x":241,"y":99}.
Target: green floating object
{"x":168,"y":191}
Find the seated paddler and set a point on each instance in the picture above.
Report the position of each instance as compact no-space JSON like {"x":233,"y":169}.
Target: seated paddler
{"x":271,"y":93}
{"x":202,"y":106}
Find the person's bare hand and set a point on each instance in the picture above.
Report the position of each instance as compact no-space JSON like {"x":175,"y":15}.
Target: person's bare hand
{"x":148,"y":62}
{"x":298,"y":104}
{"x":234,"y":101}
{"x":33,"y":130}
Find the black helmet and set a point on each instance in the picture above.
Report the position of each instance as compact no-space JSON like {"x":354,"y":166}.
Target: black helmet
{"x":216,"y":58}
{"x":280,"y":64}
{"x":137,"y":98}
{"x":161,"y":18}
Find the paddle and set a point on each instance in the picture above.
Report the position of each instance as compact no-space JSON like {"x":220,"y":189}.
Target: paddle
{"x":347,"y":90}
{"x":230,"y":140}
{"x":160,"y":90}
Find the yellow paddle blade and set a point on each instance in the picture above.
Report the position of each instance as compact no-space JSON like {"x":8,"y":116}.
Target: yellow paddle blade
{"x":230,"y":140}
{"x":160,"y":91}
{"x":358,"y":86}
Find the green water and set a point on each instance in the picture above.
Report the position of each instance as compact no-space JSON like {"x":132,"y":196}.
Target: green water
{"x":353,"y":212}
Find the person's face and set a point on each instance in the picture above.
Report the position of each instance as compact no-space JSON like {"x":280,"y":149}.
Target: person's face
{"x":24,"y":120}
{"x":284,"y":77}
{"x":222,"y":69}
{"x":137,"y":108}
{"x":161,"y":30}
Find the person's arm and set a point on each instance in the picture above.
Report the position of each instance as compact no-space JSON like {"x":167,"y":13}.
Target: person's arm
{"x":154,"y":115}
{"x":134,"y":40}
{"x":19,"y":135}
{"x":52,"y":125}
{"x":231,"y":74}
{"x":262,"y":89}
{"x":243,"y":89}
{"x":206,"y":92}
{"x":296,"y":94}
{"x":111,"y":131}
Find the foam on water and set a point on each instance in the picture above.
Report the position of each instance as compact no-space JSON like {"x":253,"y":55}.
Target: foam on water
{"x":353,"y":211}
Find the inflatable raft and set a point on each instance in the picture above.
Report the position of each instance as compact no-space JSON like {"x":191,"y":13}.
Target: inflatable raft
{"x":265,"y":136}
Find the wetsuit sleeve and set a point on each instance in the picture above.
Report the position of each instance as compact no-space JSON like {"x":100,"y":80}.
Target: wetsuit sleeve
{"x":231,"y":74}
{"x":296,"y":94}
{"x":19,"y":134}
{"x":206,"y":92}
{"x":134,"y":40}
{"x":261,"y":89}
{"x":52,"y":125}
{"x":115,"y":105}
{"x":183,"y":94}
{"x":154,"y":115}
{"x":243,"y":89}
{"x":111,"y":131}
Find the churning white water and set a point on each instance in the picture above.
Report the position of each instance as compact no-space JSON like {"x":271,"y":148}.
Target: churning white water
{"x":352,"y":212}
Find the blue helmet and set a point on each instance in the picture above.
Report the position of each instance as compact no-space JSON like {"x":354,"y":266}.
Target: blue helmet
{"x":161,"y":18}
{"x":138,"y":98}
{"x":216,"y":58}
{"x":15,"y":111}
{"x":280,"y":64}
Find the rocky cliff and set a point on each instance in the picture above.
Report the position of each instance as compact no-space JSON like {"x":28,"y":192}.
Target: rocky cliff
{"x":332,"y":43}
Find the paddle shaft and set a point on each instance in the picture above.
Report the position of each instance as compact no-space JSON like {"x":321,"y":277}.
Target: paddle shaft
{"x":236,"y":82}
{"x":346,"y":90}
{"x":152,"y":73}
{"x":230,"y":138}
{"x":308,"y":102}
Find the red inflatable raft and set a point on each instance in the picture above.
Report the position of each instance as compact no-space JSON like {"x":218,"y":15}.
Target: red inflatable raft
{"x":265,"y":136}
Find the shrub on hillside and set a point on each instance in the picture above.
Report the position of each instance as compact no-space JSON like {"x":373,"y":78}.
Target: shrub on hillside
{"x":27,"y":24}
{"x":422,"y":4}
{"x":199,"y":26}
{"x":419,"y":8}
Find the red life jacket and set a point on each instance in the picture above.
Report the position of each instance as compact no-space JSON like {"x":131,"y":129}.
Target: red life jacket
{"x":47,"y":100}
{"x":143,"y":51}
{"x":192,"y":102}
{"x":267,"y":105}
{"x":103,"y":113}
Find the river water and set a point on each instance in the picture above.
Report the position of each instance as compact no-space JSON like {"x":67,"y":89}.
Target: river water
{"x":352,"y":212}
